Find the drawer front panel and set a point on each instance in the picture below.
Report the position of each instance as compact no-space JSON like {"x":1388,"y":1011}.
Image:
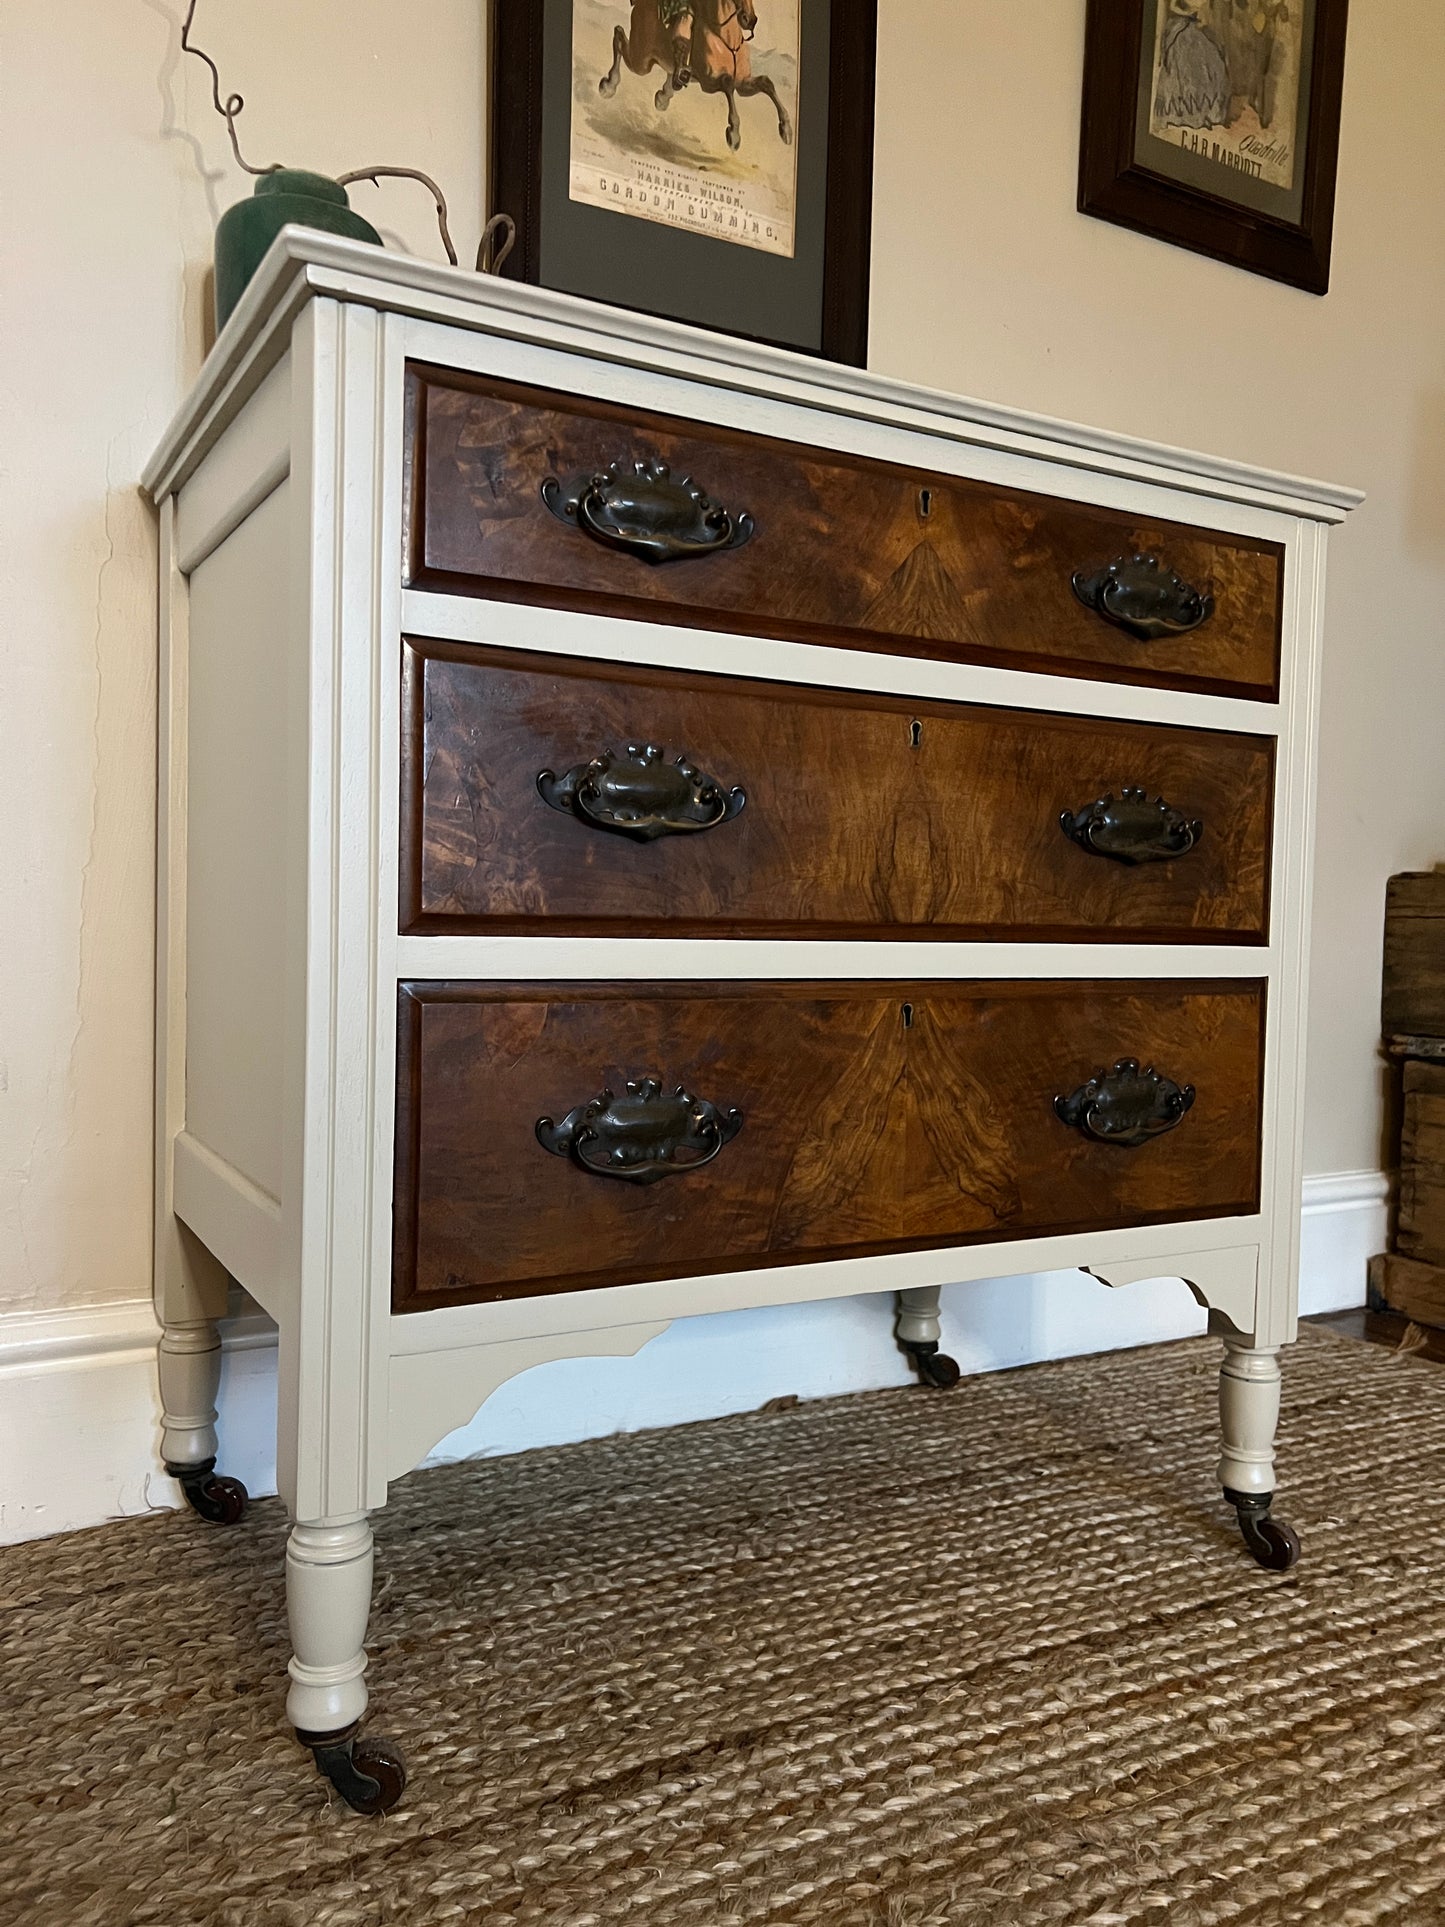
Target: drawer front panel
{"x":820,"y":1120}
{"x":810,"y":544}
{"x":859,"y":816}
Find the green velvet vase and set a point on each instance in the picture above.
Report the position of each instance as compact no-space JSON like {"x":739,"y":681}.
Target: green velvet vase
{"x":246,"y":230}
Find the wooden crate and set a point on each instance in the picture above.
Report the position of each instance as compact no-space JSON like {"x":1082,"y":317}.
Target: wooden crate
{"x":1420,"y":1226}
{"x":1410,"y":1278}
{"x":1412,"y":1003}
{"x":1408,"y":1287}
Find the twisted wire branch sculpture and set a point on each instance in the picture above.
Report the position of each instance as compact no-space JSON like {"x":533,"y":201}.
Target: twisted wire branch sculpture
{"x":228,"y":108}
{"x":231,"y":107}
{"x":376,"y":174}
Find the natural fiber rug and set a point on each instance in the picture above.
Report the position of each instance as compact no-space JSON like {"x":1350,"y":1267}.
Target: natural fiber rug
{"x":906,"y":1659}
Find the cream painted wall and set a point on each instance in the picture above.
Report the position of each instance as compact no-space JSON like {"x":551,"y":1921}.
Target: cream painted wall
{"x":112,"y":169}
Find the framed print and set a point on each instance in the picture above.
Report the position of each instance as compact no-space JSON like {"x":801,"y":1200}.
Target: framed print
{"x":709,"y":160}
{"x":1215,"y":124}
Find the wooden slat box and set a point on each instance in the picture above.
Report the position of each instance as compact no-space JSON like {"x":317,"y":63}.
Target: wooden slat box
{"x":1410,"y":1278}
{"x":1412,"y":1002}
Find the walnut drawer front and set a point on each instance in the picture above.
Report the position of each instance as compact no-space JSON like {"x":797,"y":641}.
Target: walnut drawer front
{"x":810,"y":544}
{"x":810,"y":811}
{"x":574,"y":1135}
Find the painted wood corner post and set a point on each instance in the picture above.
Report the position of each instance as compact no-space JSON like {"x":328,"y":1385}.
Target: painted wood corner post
{"x":191,"y":1286}
{"x":1252,"y":1294}
{"x":337,"y":1060}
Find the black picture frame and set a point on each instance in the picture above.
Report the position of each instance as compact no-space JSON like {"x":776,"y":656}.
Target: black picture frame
{"x":821,"y":308}
{"x":1115,"y":184}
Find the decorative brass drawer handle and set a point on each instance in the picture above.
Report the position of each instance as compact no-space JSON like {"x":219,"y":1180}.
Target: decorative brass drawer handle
{"x":642,"y":1136}
{"x":646,"y":511}
{"x":1126,"y":1106}
{"x":1139,"y":594}
{"x":1130,"y":829}
{"x":640,"y":794}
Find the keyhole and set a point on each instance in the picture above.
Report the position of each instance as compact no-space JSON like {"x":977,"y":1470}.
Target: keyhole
{"x":915,"y":733}
{"x":925,"y":503}
{"x":908,"y":1016}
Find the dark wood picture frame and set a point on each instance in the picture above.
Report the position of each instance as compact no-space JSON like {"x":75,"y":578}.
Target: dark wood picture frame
{"x":1116,"y":186}
{"x":516,"y":112}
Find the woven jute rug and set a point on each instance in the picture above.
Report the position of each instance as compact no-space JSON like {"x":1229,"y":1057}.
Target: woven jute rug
{"x":896,"y":1660}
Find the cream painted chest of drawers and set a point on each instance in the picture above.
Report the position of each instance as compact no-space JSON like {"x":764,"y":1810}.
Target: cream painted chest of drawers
{"x":652,"y":824}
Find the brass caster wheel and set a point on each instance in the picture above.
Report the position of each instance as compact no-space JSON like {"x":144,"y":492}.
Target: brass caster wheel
{"x":1275,"y":1545}
{"x":370,"y":1775}
{"x":210,"y":1494}
{"x":934,"y":1367}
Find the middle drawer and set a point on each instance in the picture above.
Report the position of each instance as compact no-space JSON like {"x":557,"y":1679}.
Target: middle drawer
{"x":545,"y":794}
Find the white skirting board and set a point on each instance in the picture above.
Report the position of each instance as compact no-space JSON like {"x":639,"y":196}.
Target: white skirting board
{"x":79,"y":1418}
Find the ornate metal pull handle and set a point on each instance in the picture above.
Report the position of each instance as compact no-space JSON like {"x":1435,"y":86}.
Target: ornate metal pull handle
{"x":640,"y":794}
{"x":648,"y":512}
{"x":1139,"y":594}
{"x":643,"y":1136}
{"x":1126,"y":1106}
{"x":1130,"y":829}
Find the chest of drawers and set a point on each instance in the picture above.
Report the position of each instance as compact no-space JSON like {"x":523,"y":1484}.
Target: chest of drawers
{"x":651,"y":824}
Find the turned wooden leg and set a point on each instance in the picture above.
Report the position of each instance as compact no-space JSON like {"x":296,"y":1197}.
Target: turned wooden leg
{"x":328,"y":1600}
{"x":190,"y":1373}
{"x":918,"y":1332}
{"x":1248,"y":1415}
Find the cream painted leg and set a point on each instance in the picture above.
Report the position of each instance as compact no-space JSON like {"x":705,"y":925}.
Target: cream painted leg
{"x":190,"y":1373}
{"x":328,"y":1600}
{"x":1248,"y":1414}
{"x":918,"y":1331}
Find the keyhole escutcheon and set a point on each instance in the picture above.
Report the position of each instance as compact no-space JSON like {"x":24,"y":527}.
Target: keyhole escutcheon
{"x":925,"y":503}
{"x":915,"y":733}
{"x":908,"y":1016}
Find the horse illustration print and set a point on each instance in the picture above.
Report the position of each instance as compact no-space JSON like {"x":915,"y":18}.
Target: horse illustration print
{"x":707,"y":44}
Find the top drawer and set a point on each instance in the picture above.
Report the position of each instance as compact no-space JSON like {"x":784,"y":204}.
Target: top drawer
{"x":807,"y":544}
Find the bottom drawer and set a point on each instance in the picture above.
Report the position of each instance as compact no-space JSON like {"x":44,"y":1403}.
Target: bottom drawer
{"x":559,"y":1137}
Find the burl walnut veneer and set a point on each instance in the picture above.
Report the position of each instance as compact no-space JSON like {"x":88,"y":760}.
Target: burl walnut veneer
{"x":866,"y":554}
{"x":850,"y":817}
{"x":873,"y":1117}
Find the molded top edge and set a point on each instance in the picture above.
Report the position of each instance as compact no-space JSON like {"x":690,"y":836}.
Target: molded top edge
{"x":302,"y":263}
